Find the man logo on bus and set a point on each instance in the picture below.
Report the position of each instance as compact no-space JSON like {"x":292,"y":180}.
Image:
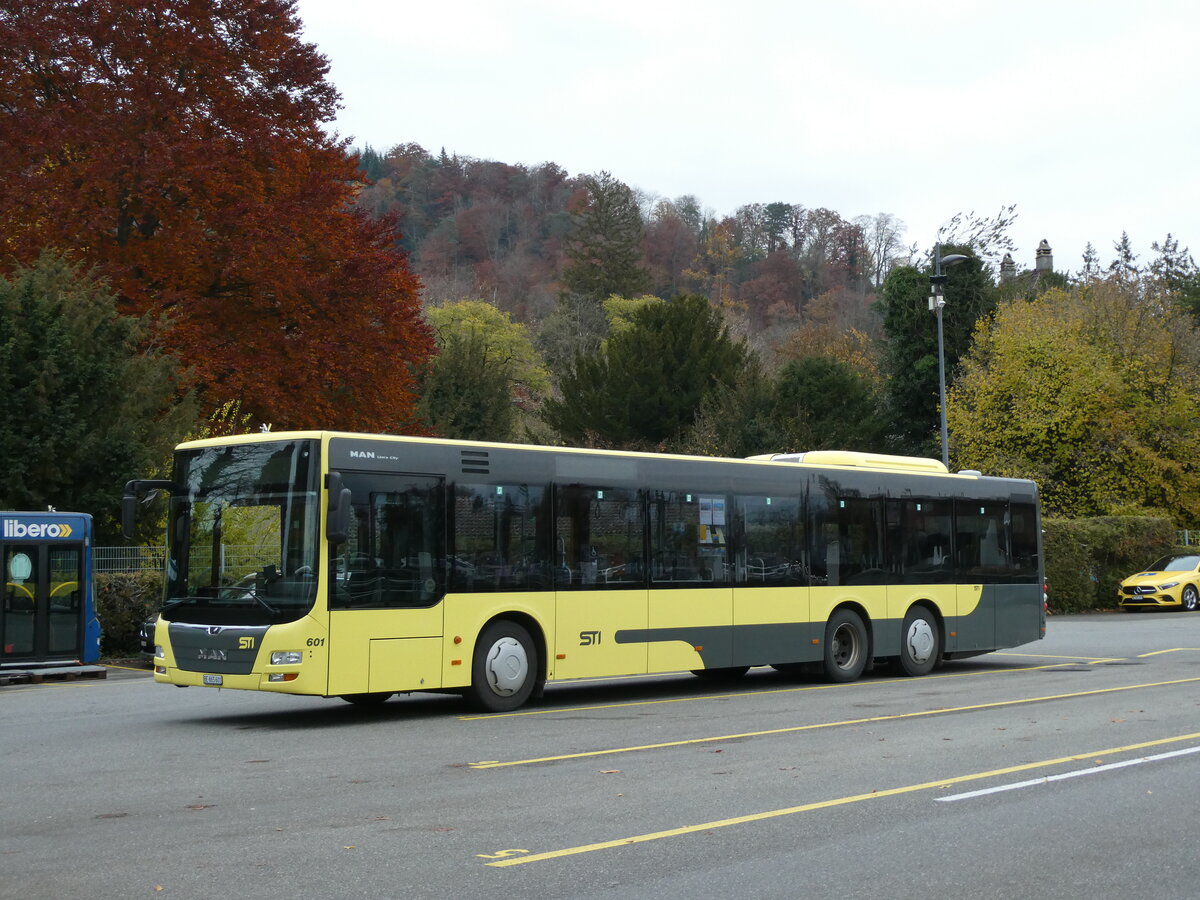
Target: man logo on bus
{"x":16,"y":529}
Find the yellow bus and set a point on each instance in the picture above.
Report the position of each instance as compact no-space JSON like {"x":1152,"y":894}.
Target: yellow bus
{"x":359,"y":566}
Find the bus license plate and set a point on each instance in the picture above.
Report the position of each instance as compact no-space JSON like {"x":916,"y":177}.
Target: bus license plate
{"x":213,"y":679}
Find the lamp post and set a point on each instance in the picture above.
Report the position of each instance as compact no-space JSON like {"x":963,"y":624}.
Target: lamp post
{"x":936,"y":302}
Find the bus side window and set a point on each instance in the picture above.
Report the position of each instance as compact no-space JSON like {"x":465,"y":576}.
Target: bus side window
{"x":598,"y":538}
{"x":688,"y":538}
{"x":500,"y":538}
{"x":981,"y":539}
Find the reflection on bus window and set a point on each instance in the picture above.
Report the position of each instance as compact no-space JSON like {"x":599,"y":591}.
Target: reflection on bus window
{"x":598,"y":538}
{"x":773,"y":546}
{"x":394,"y":555}
{"x":500,"y":538}
{"x":688,"y":539}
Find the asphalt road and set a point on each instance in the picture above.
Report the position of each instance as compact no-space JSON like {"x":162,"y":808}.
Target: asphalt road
{"x":1065,"y":768}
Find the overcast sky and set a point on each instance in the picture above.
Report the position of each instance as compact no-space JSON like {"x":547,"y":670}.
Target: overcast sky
{"x":1083,"y":114}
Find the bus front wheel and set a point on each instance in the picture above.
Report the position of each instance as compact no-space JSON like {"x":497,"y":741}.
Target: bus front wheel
{"x":846,"y":646}
{"x":504,"y":669}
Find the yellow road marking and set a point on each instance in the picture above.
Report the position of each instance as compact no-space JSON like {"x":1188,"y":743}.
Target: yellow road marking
{"x":1046,"y":656}
{"x":840,"y":801}
{"x":1172,"y":650}
{"x":495,"y":764}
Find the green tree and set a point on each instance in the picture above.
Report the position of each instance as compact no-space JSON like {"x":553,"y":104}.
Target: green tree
{"x":605,"y":246}
{"x":813,"y":403}
{"x":507,"y":340}
{"x":644,"y":387}
{"x":1175,"y":276}
{"x":467,"y":390}
{"x":910,"y":352}
{"x":738,"y":420}
{"x":84,"y":408}
{"x":487,"y":369}
{"x":1092,"y":392}
{"x":823,"y":403}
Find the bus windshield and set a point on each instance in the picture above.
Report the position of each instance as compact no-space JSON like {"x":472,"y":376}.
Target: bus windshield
{"x":243,"y":533}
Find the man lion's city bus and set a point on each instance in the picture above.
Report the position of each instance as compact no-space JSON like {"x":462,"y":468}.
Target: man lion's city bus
{"x":48,"y":618}
{"x":359,"y":566}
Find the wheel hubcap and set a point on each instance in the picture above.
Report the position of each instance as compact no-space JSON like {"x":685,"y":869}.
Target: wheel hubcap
{"x":920,"y":641}
{"x":845,"y":647}
{"x":507,"y":666}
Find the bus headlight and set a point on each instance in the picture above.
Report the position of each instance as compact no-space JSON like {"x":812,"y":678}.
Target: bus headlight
{"x":287,"y":657}
{"x":158,"y":651}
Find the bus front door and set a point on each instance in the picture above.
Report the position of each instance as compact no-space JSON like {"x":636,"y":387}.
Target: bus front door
{"x":42,"y":617}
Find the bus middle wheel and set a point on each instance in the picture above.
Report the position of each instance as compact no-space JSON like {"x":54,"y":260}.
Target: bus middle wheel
{"x":846,"y":646}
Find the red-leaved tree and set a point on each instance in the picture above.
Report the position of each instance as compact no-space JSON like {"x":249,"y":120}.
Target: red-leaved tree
{"x":177,"y":146}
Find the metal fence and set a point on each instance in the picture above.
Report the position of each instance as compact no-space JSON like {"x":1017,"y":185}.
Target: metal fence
{"x":128,"y":559}
{"x":235,"y":559}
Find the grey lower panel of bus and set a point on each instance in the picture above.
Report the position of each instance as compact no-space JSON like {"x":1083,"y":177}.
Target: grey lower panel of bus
{"x":1007,"y":616}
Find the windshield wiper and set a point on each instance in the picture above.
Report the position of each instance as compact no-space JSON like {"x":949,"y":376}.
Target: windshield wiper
{"x":253,"y":594}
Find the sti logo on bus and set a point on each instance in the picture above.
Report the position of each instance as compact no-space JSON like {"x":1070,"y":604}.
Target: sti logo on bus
{"x":14,"y":528}
{"x":589,"y":638}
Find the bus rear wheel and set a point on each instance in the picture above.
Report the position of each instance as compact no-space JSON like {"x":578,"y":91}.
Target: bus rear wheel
{"x":504,"y":669}
{"x":920,"y":643}
{"x":846,"y":644}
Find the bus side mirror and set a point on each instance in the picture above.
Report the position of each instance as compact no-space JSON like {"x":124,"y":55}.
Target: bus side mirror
{"x":337,"y":521}
{"x":129,"y":500}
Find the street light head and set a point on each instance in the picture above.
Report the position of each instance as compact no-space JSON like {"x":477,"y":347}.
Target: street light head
{"x":953,"y":258}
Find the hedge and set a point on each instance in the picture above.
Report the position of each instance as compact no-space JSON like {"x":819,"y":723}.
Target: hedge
{"x":123,"y":601}
{"x":1087,"y":558}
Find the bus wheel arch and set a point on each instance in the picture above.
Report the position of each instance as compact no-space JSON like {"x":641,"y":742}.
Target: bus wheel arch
{"x":847,"y":645}
{"x":922,"y":641}
{"x":507,"y":664}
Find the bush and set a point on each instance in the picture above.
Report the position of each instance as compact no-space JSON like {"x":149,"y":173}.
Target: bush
{"x":123,"y":601}
{"x":1087,"y":558}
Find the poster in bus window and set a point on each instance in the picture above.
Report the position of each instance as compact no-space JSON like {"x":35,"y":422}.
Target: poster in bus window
{"x":712,"y":520}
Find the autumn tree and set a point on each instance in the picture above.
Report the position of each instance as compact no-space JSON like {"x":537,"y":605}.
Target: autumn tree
{"x":180,"y":149}
{"x":1092,"y":392}
{"x":882,"y":238}
{"x":86,"y":407}
{"x":644,"y":386}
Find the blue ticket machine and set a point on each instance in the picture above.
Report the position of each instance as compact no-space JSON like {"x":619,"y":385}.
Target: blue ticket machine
{"x":48,"y":615}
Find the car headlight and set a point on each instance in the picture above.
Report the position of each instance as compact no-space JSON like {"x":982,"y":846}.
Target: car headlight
{"x":287,"y":657}
{"x":1168,"y":585}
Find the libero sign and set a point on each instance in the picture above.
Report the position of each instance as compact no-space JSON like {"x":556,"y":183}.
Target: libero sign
{"x":15,"y":528}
